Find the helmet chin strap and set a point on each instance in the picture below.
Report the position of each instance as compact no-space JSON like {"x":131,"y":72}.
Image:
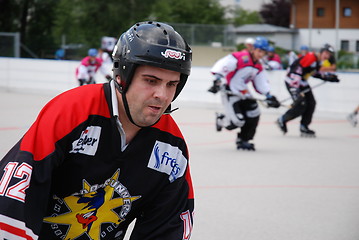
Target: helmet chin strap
{"x":127,"y":109}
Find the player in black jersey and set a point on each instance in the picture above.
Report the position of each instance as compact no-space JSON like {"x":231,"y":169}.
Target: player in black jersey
{"x":297,"y":84}
{"x":87,"y":169}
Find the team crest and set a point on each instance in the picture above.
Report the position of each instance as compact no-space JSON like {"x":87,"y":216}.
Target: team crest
{"x":245,"y":59}
{"x":95,"y":206}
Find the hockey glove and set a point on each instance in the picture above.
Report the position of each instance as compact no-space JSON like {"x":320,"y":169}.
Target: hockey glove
{"x":108,"y":77}
{"x":330,"y":77}
{"x":272,"y":101}
{"x":215,"y":87}
{"x":326,"y":76}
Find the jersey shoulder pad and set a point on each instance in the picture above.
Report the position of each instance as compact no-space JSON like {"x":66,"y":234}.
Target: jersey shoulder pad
{"x":168,"y":124}
{"x":61,"y":115}
{"x":308,"y":59}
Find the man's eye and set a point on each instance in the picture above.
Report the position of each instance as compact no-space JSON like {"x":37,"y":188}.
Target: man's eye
{"x":151,"y":81}
{"x":173,"y":84}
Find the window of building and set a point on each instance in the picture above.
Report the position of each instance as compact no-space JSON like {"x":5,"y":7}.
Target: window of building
{"x":357,"y":46}
{"x":347,"y":12}
{"x":320,"y":12}
{"x":344,"y":45}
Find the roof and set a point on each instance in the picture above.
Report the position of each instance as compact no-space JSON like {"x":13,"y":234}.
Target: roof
{"x":262,"y":28}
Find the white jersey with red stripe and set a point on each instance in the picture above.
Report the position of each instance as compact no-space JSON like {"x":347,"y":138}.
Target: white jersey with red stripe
{"x":239,"y":69}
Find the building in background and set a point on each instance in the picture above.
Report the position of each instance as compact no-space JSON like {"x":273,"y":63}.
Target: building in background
{"x":280,"y":36}
{"x":252,"y":5}
{"x":326,"y":21}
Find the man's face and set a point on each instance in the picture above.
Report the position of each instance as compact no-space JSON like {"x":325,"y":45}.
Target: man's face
{"x":151,"y":91}
{"x":258,"y":54}
{"x":92,"y":59}
{"x":270,"y":54}
{"x":324,"y":55}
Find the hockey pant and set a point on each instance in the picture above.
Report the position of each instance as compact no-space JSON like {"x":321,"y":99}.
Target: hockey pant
{"x":83,"y":81}
{"x":303,"y":105}
{"x":241,"y":113}
{"x":84,"y":76}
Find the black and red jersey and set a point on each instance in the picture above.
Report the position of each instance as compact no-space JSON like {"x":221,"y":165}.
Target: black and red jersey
{"x":71,"y":176}
{"x":301,"y":69}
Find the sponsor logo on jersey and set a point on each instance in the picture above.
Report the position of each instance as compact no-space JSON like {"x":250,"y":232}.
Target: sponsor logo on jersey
{"x":88,"y":141}
{"x":245,"y":59}
{"x":169,"y":53}
{"x":168,"y":159}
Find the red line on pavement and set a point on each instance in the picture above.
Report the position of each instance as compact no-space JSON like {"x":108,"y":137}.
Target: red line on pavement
{"x":278,"y":186}
{"x":9,"y":128}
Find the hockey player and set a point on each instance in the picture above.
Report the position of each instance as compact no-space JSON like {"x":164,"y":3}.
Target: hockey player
{"x":86,"y":71}
{"x":104,"y":56}
{"x":241,"y":110}
{"x":327,"y":59}
{"x":272,"y":60}
{"x":248,"y":43}
{"x":297,"y":84}
{"x":353,"y":117}
{"x":87,"y":169}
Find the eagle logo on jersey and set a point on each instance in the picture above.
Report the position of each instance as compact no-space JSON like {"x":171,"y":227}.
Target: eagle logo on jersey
{"x":95,"y":205}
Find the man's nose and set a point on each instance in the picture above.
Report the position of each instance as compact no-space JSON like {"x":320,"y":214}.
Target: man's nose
{"x":161,"y":92}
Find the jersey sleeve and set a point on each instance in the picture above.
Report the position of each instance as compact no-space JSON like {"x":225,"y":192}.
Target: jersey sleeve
{"x":170,"y":214}
{"x":224,"y":65}
{"x":261,"y":83}
{"x":26,"y":170}
{"x":25,"y":174}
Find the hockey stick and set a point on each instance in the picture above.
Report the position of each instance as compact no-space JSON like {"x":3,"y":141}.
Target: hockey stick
{"x":263,"y":102}
{"x":304,"y":91}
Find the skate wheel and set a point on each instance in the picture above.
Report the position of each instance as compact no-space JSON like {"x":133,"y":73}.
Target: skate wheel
{"x":307,"y":135}
{"x":246,"y":149}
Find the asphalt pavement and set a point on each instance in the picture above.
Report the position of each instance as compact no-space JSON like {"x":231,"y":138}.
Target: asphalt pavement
{"x":289,"y":188}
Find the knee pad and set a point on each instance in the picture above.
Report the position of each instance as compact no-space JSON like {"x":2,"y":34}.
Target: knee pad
{"x":238,"y":120}
{"x":253,"y":113}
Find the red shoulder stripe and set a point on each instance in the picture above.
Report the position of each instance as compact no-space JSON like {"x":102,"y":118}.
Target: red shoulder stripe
{"x":308,"y":59}
{"x":189,"y":182}
{"x":166,"y":123}
{"x":61,"y":115}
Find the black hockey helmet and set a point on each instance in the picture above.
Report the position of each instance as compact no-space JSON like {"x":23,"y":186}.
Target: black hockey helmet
{"x":327,"y":47}
{"x":151,"y":43}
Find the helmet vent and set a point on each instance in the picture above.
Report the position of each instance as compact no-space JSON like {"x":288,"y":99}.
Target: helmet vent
{"x":165,"y":32}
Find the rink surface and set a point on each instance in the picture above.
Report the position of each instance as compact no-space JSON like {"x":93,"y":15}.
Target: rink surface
{"x":289,"y":188}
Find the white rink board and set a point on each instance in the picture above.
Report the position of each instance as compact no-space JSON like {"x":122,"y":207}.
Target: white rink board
{"x":57,"y":76}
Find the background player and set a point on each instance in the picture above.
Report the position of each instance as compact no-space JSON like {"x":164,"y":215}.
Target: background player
{"x":272,"y":60}
{"x":297,"y":84}
{"x":353,"y":117}
{"x":241,"y":110}
{"x":85,"y":73}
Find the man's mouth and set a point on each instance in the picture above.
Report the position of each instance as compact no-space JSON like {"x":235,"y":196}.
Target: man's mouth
{"x":155,"y":108}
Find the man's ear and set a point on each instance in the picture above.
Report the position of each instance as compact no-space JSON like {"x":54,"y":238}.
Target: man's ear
{"x":118,"y":79}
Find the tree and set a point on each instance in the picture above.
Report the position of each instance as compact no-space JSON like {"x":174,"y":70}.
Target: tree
{"x":276,"y":13}
{"x":32,"y":18}
{"x":188,"y":11}
{"x":242,"y":16}
{"x":44,"y":24}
